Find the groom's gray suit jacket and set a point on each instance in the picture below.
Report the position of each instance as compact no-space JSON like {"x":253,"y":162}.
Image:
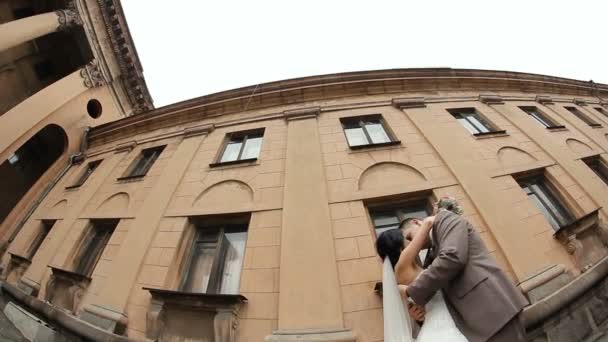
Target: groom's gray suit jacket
{"x":479,"y":294}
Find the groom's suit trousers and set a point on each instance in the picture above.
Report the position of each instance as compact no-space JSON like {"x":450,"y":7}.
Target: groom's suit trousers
{"x":513,"y":331}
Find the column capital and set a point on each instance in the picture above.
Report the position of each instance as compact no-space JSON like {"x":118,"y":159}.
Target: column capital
{"x":68,"y":18}
{"x":92,"y":75}
{"x":301,"y":113}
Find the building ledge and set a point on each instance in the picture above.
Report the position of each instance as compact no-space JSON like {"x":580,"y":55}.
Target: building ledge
{"x":61,"y":317}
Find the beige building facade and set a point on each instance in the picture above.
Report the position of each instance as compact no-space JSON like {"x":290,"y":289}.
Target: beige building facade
{"x":251,"y":214}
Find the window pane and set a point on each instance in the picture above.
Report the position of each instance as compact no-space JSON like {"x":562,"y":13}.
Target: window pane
{"x":376,"y":132}
{"x":581,"y":115}
{"x":552,"y":204}
{"x":233,"y":262}
{"x":467,"y":125}
{"x":383,"y":218}
{"x":356,"y":136}
{"x":92,"y":248}
{"x":252,"y":148}
{"x":599,"y":169}
{"x":413,"y":212}
{"x":544,"y":210}
{"x":200,"y":267}
{"x":540,"y":119}
{"x":231,"y":152}
{"x":481,"y":126}
{"x":602,"y":111}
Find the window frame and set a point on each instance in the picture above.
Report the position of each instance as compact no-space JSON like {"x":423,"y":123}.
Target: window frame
{"x":244,"y":135}
{"x":43,"y":232}
{"x":584,"y":117}
{"x":458,"y":114}
{"x":598,"y":166}
{"x":552,"y":205}
{"x":88,"y":252}
{"x":135,"y":170}
{"x":360,"y":121}
{"x":399,"y":207}
{"x":85,"y":174}
{"x":215,"y":281}
{"x":540,"y":117}
{"x":601,"y":110}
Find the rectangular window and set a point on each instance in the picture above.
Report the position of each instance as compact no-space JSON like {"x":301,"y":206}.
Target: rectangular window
{"x":368,"y":130}
{"x":144,"y":162}
{"x":599,"y":167}
{"x":39,"y":238}
{"x":389,"y":217}
{"x":584,"y":117}
{"x":241,"y":146}
{"x":547,"y":202}
{"x":470,"y":119}
{"x":540,"y":117}
{"x":92,"y":245}
{"x":216,"y":260}
{"x":85,"y":174}
{"x":602,"y":111}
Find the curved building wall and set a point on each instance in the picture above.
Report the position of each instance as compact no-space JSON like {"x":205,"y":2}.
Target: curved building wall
{"x":341,"y":157}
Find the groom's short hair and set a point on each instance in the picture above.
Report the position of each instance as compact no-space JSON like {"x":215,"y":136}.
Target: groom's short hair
{"x":404,"y":225}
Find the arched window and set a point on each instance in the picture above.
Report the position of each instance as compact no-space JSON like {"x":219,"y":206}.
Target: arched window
{"x":22,"y":169}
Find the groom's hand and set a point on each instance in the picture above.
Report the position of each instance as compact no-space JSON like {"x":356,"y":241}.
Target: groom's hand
{"x":416,"y":311}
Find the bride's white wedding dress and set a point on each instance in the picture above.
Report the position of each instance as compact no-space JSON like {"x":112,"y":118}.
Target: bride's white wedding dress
{"x":438,"y":323}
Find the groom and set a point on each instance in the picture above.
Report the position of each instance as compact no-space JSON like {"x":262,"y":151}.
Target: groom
{"x":483,"y":302}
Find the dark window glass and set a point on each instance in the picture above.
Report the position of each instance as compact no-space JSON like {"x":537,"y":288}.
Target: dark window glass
{"x":599,"y":167}
{"x":242,"y":146}
{"x":44,"y":230}
{"x":144,"y":161}
{"x":472,"y":121}
{"x":547,"y":202}
{"x":385,"y":218}
{"x":93,"y":244}
{"x":88,"y":170}
{"x":216,"y":260}
{"x":539,"y":117}
{"x":366,"y":130}
{"x":602,"y":111}
{"x":584,"y":117}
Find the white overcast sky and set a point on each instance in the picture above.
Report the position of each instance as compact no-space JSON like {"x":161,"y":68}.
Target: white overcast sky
{"x":191,"y":48}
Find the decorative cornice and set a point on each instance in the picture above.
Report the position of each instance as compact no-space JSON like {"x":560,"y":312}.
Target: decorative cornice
{"x":68,"y":18}
{"x":198,"y":130}
{"x":92,"y":75}
{"x":301,"y":113}
{"x":491,"y":99}
{"x":544,"y":100}
{"x":409,"y":102}
{"x":126,"y":55}
{"x":125,"y":147}
{"x":579,"y":102}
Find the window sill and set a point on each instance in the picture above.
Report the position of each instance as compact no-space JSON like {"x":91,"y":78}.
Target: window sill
{"x":130,"y":178}
{"x":579,"y":225}
{"x":361,"y":147}
{"x":72,"y":187}
{"x":69,"y":275}
{"x":596,"y":125}
{"x":492,"y":134}
{"x":19,"y":259}
{"x":234,"y":162}
{"x":225,"y":307}
{"x":557,"y":128}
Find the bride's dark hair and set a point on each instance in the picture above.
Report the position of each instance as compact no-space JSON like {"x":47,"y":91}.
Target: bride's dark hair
{"x":390,"y":244}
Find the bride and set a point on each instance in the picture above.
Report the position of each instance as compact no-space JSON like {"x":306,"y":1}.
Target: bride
{"x":403,"y":256}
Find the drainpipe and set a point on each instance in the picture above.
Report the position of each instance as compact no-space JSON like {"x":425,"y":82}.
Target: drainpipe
{"x":75,"y":158}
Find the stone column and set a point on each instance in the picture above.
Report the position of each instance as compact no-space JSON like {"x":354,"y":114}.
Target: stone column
{"x":23,"y":30}
{"x":309,"y":297}
{"x":108,"y":308}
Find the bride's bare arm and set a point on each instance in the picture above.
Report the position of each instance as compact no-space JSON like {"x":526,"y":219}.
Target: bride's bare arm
{"x":409,"y":254}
